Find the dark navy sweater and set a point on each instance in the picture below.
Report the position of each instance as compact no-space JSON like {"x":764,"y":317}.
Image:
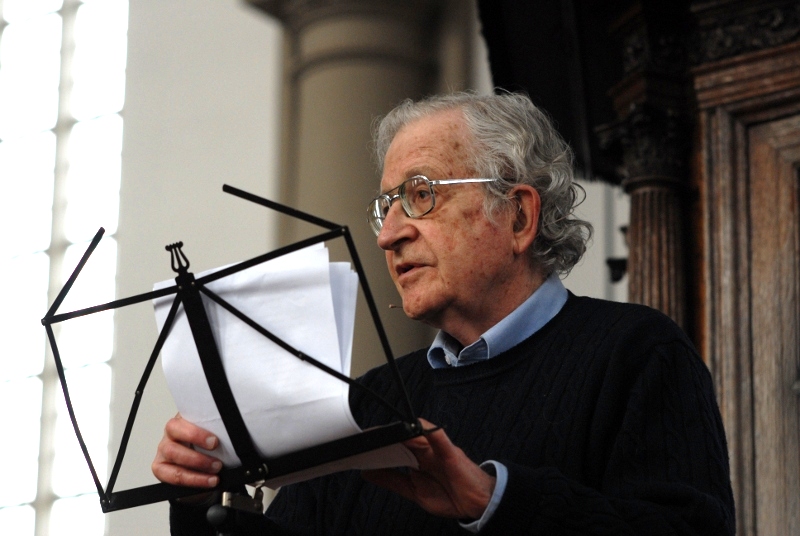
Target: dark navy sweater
{"x":606,"y":419}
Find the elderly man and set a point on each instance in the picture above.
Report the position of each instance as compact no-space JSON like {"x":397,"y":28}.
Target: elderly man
{"x":558,"y":414}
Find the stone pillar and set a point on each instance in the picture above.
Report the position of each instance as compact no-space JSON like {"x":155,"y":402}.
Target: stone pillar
{"x":348,"y":62}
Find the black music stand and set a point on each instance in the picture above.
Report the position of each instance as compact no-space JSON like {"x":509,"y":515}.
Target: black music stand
{"x":188,"y":291}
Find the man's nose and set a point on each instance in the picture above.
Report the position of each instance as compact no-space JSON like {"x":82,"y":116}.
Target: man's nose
{"x":397,"y":226}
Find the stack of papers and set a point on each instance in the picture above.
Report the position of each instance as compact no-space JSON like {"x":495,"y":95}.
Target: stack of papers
{"x":287,"y":404}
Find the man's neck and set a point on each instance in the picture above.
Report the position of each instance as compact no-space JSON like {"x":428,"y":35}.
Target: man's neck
{"x":468,"y":328}
{"x":520,"y":324}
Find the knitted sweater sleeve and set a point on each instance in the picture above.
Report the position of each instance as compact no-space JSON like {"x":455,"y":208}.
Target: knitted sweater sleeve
{"x":658,"y":452}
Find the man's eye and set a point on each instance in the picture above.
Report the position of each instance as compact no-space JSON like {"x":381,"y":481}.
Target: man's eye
{"x":419,"y":195}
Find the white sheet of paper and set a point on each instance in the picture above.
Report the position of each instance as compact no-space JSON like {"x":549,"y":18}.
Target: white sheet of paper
{"x":287,"y":404}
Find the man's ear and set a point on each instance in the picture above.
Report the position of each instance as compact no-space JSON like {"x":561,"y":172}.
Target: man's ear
{"x":527,"y":207}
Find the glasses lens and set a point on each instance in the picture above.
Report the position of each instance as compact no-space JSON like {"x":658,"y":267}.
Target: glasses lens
{"x":417,"y":196}
{"x":376,"y":212}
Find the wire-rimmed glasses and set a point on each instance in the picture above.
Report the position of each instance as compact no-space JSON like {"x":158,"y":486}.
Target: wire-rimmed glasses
{"x":416,"y":196}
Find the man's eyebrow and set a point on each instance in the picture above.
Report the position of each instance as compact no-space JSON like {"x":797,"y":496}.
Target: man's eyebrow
{"x":384,"y":192}
{"x":414,"y":172}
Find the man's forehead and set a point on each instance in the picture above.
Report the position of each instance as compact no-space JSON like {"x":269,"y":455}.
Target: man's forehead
{"x":436,"y":146}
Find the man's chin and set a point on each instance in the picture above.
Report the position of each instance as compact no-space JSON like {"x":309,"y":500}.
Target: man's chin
{"x":419,"y":313}
{"x":412,"y":313}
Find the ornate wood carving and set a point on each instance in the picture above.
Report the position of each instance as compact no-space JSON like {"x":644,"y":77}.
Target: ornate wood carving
{"x":727,"y":29}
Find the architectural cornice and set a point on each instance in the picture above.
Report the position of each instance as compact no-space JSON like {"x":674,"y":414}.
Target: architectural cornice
{"x":298,"y":13}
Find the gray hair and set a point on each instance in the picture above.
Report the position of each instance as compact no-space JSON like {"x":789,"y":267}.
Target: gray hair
{"x":516,"y":141}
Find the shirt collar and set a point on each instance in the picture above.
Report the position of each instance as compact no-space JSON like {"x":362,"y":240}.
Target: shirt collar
{"x":523,"y":322}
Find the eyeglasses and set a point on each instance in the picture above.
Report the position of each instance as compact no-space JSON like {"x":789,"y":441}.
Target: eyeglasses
{"x":416,"y":196}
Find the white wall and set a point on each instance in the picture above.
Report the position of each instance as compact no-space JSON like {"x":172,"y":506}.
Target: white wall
{"x":606,"y":208}
{"x":201,"y":109}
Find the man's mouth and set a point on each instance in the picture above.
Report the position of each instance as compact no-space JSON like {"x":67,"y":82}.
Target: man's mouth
{"x":405,"y":267}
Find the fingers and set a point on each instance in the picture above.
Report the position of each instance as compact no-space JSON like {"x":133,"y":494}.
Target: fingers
{"x":433,"y":446}
{"x":176,"y":462}
{"x":440,"y":444}
{"x":447,"y":482}
{"x":179,"y":429}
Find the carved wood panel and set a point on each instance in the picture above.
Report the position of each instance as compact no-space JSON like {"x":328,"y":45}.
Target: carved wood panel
{"x":747,"y":159}
{"x":752,"y":308}
{"x":774,"y":154}
{"x":725,"y":322}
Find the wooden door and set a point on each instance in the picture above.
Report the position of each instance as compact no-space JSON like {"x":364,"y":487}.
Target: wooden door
{"x":774,"y":156}
{"x":748,"y":226}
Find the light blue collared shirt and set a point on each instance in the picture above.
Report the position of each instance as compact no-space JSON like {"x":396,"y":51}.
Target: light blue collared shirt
{"x":523,"y":322}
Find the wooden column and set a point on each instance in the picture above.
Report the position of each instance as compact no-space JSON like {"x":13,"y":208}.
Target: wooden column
{"x":651,"y":138}
{"x":656,"y":245}
{"x":654,"y":147}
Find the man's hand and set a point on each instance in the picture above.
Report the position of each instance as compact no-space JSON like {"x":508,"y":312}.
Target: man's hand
{"x":447,"y":484}
{"x":177,"y":463}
